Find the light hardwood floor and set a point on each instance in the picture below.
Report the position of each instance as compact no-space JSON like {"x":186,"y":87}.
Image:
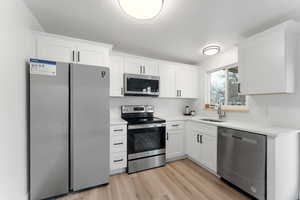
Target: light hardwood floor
{"x":179,"y":180}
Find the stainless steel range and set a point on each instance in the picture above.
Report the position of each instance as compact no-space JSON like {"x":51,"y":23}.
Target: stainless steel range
{"x":146,"y":138}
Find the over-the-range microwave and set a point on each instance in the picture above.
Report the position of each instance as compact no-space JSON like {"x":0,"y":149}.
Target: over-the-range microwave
{"x":141,"y":85}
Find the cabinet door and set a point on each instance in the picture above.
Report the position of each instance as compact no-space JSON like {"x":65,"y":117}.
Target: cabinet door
{"x":140,"y":66}
{"x":187,"y":82}
{"x":55,"y":49}
{"x":151,"y":68}
{"x":174,"y":144}
{"x":262,"y":63}
{"x":89,"y":54}
{"x":133,"y":66}
{"x":116,"y":75}
{"x":193,"y":146}
{"x":208,"y":151}
{"x":167,"y":81}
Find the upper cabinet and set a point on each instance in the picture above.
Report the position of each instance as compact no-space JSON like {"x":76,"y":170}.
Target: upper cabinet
{"x":267,"y":60}
{"x":188,"y":82}
{"x":71,"y":50}
{"x":140,"y":66}
{"x":116,"y":76}
{"x":167,"y":82}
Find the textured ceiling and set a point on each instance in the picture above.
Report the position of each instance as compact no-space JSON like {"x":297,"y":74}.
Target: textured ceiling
{"x":177,"y":34}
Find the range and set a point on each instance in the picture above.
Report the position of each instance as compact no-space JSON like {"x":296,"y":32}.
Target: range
{"x":146,"y":138}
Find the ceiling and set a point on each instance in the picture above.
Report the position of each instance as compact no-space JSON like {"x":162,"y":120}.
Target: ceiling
{"x":177,"y":34}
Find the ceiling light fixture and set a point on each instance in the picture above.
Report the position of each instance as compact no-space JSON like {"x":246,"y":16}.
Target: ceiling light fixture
{"x":211,"y":50}
{"x":142,"y":9}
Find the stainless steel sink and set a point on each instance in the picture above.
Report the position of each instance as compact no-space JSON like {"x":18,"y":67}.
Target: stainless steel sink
{"x":211,"y":120}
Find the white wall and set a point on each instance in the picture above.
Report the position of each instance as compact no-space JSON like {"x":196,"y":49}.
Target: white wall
{"x":163,"y":106}
{"x":16,"y":45}
{"x":278,"y":110}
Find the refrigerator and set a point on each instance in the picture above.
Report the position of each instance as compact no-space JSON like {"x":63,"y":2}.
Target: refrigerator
{"x":68,"y":128}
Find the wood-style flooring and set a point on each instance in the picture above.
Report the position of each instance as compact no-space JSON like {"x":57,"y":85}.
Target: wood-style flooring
{"x":179,"y":180}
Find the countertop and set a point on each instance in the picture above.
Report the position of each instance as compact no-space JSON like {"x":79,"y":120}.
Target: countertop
{"x":117,"y":121}
{"x":270,"y":131}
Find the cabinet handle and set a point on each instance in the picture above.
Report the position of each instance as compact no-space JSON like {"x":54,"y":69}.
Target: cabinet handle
{"x":167,"y":136}
{"x":144,"y":69}
{"x":180,"y":92}
{"x":118,"y":130}
{"x":119,"y":143}
{"x":141,"y":71}
{"x":78,"y":56}
{"x":197,"y":138}
{"x":200,"y":139}
{"x":175,"y":125}
{"x":122,"y":91}
{"x":73,"y":56}
{"x":120,"y":160}
{"x":239,"y":87}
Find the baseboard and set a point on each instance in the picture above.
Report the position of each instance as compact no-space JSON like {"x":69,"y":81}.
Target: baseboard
{"x":117,"y":171}
{"x":203,"y":166}
{"x":174,"y":158}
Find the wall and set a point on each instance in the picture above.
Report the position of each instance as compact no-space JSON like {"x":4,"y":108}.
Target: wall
{"x":278,"y":110}
{"x":16,"y":46}
{"x":163,"y":106}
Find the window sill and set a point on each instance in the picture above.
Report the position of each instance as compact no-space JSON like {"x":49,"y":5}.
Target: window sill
{"x":242,"y":110}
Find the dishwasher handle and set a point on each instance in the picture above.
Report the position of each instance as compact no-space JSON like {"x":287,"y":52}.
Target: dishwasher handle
{"x":237,"y":137}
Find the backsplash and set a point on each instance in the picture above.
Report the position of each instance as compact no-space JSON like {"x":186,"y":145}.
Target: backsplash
{"x":163,"y":106}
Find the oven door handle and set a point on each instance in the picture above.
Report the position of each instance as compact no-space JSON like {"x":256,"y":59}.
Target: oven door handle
{"x":143,"y":126}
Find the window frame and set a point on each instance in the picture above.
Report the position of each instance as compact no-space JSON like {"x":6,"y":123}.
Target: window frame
{"x":208,"y":83}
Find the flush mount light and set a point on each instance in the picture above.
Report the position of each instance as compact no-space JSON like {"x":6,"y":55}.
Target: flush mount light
{"x":211,"y":50}
{"x":142,"y":9}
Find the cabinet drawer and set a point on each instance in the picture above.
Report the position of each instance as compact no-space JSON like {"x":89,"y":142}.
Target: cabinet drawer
{"x":119,"y":130}
{"x":176,"y":125}
{"x":208,"y":130}
{"x":118,"y":144}
{"x":118,"y":160}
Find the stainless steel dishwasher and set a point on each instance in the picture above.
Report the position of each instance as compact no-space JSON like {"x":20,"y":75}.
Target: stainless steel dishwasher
{"x":242,"y":160}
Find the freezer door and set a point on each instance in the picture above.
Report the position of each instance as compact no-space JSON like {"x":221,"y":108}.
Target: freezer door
{"x":48,"y":135}
{"x":89,"y":126}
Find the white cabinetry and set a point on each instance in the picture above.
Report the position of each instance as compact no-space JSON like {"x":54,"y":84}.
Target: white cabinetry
{"x":140,"y":66}
{"x":180,"y":81}
{"x":167,"y":80}
{"x":71,"y":50}
{"x":175,"y":140}
{"x":116,"y":76}
{"x":118,"y":148}
{"x":267,"y":60}
{"x":201,"y":144}
{"x":187,"y":82}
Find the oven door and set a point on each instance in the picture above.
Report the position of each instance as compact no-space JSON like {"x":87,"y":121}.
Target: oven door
{"x":141,"y":85}
{"x":146,"y":140}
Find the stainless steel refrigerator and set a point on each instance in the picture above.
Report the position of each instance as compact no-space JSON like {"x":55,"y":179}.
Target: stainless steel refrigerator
{"x":69,"y":128}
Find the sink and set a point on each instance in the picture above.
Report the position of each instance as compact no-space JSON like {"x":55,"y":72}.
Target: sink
{"x":211,"y":120}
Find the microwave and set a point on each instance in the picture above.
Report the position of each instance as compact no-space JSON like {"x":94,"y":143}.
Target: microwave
{"x":141,"y":85}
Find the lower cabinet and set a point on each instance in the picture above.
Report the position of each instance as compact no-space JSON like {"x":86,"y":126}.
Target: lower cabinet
{"x":201,"y":144}
{"x":118,"y":148}
{"x":175,"y":140}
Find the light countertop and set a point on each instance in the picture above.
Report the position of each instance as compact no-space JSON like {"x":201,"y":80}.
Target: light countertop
{"x":270,"y":131}
{"x":117,"y":121}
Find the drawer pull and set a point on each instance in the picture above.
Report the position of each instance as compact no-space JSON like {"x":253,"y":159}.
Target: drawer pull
{"x":119,"y":143}
{"x":175,"y":125}
{"x":118,"y":130}
{"x":119,"y":160}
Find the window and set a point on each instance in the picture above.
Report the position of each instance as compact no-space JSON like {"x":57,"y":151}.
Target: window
{"x":224,"y":87}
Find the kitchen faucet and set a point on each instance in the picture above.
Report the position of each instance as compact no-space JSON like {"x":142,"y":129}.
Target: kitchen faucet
{"x":221,"y":112}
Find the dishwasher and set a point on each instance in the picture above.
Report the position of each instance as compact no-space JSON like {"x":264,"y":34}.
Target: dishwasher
{"x":242,"y":160}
